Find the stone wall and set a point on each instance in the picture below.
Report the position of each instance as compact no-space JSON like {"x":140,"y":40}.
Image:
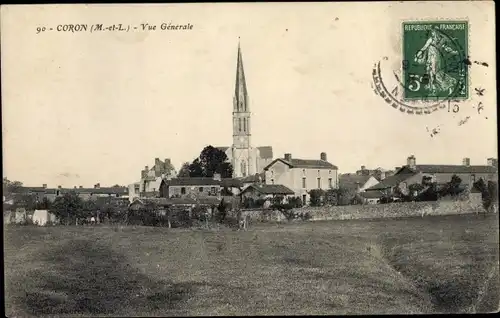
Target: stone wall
{"x":394,"y":210}
{"x":371,"y":211}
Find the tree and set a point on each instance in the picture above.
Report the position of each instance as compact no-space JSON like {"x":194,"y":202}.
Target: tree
{"x":68,"y":207}
{"x":211,"y":161}
{"x":184,"y":172}
{"x":316,"y":197}
{"x":10,"y":187}
{"x":489,"y":193}
{"x":45,"y":204}
{"x":453,"y":187}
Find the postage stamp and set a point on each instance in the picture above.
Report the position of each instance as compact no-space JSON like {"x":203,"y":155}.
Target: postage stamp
{"x":432,"y":70}
{"x":434,"y":60}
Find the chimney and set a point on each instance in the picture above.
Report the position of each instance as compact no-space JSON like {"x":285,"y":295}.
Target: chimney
{"x":146,"y":168}
{"x":396,"y":168}
{"x":74,"y":187}
{"x":382,"y":175}
{"x":217,"y":177}
{"x":157,"y":161}
{"x":492,"y":162}
{"x":288,"y":157}
{"x":323,"y":156}
{"x":59,"y":187}
{"x":81,"y":187}
{"x":466,"y":162}
{"x":144,"y":174}
{"x":363,"y":167}
{"x":97,"y":186}
{"x":411,"y":161}
{"x":44,"y":186}
{"x":167,"y":162}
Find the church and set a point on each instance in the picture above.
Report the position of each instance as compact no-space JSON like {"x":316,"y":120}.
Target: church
{"x":245,"y":159}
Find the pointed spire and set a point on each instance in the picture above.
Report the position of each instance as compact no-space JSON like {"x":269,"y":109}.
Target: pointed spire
{"x":240,"y":93}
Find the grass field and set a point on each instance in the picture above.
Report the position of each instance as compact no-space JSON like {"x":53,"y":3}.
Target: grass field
{"x":420,"y":265}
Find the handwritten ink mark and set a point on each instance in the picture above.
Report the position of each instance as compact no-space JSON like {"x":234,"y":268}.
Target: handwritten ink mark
{"x":467,"y":62}
{"x":463,"y":121}
{"x":479,"y":91}
{"x":480,"y":107}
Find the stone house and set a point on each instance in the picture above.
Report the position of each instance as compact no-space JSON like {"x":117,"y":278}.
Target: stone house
{"x":302,"y":175}
{"x":412,"y":173}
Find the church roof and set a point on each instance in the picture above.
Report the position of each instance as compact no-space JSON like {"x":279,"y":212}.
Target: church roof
{"x":266,"y":152}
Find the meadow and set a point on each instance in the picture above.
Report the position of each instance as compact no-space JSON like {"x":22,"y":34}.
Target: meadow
{"x":433,"y":264}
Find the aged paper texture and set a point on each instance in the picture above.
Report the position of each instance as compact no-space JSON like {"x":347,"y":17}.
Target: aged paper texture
{"x":250,"y":158}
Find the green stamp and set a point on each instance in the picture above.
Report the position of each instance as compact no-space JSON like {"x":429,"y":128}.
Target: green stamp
{"x":435,"y":60}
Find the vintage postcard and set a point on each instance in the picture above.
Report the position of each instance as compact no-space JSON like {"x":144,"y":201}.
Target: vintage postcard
{"x":250,"y":159}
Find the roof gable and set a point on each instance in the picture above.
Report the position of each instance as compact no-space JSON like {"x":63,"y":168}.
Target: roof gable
{"x":391,"y":181}
{"x":304,"y":163}
{"x":351,"y":181}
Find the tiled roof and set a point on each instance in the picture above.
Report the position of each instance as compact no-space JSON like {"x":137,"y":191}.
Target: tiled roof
{"x":179,"y":201}
{"x":350,"y":181}
{"x":391,"y":181}
{"x":304,"y":163}
{"x":231,"y":182}
{"x":270,"y":189}
{"x":192,"y":181}
{"x":105,"y":190}
{"x":453,"y":169}
{"x":266,"y":152}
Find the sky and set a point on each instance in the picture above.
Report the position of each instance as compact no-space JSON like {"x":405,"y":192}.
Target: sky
{"x":82,"y":108}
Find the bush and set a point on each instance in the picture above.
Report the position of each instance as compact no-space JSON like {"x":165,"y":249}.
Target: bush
{"x":295,"y":202}
{"x":316,"y":197}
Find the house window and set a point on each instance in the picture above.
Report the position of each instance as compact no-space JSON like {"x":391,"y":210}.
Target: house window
{"x":183,"y":190}
{"x":201,"y":189}
{"x":304,"y":182}
{"x":304,"y":172}
{"x":213,"y":190}
{"x":473,"y":178}
{"x":330,"y":182}
{"x":319,"y":183}
{"x":272,"y":181}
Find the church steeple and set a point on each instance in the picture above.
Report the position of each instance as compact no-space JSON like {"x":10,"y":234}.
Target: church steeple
{"x":241,"y":111}
{"x":240,"y":92}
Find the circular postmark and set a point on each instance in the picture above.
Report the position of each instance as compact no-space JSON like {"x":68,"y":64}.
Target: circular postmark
{"x":433,"y":71}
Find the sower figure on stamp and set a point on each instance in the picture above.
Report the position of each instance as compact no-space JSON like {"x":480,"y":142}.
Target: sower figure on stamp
{"x":430,"y":55}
